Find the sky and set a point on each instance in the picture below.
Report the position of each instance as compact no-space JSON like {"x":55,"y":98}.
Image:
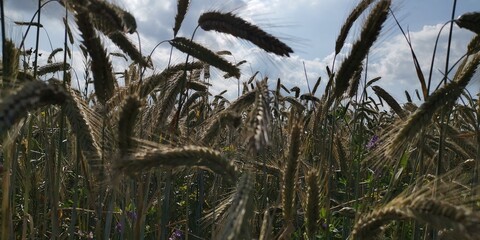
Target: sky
{"x":309,"y":27}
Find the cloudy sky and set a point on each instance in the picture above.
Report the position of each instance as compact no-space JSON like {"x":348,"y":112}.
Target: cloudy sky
{"x":309,"y":27}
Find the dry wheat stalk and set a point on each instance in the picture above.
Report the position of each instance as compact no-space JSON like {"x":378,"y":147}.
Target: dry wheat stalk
{"x":470,"y":21}
{"x":370,"y":31}
{"x":236,"y":26}
{"x":203,"y":54}
{"x":52,"y":54}
{"x":149,"y":84}
{"x":86,"y":125}
{"x":356,"y":12}
{"x":355,"y":81}
{"x":110,"y":18}
{"x":295,"y":103}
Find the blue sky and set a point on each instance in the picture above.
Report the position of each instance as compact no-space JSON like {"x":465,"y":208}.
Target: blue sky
{"x":309,"y":27}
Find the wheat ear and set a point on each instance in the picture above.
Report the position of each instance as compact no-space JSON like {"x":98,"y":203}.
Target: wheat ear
{"x":444,"y":96}
{"x":370,"y":31}
{"x":10,"y":66}
{"x":312,"y":211}
{"x":238,"y":211}
{"x":390,"y":101}
{"x":357,"y":11}
{"x":128,"y":47}
{"x":30,"y":96}
{"x":188,"y":156}
{"x":290,"y":174}
{"x":257,"y":122}
{"x":231,"y":24}
{"x":182,"y":7}
{"x":126,"y":123}
{"x":52,"y":68}
{"x":103,"y":80}
{"x":203,"y":54}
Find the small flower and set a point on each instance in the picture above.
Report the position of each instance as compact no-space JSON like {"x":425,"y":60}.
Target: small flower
{"x":132,"y":215}
{"x":119,"y":227}
{"x":176,"y":235}
{"x":372,"y":143}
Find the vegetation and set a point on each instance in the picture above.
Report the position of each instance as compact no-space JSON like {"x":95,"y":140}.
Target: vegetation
{"x":156,"y":156}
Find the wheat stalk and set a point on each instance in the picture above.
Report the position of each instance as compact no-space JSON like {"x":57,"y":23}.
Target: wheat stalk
{"x":257,"y":122}
{"x":231,"y":24}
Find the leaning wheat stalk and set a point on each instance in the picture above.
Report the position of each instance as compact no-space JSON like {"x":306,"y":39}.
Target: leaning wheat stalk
{"x":444,"y":96}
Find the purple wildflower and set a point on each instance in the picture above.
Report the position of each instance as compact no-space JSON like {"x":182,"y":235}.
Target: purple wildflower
{"x":132,"y":215}
{"x":119,"y":227}
{"x":176,"y":235}
{"x":372,"y":143}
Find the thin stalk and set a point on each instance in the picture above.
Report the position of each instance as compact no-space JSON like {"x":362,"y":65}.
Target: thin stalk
{"x":37,"y":43}
{"x":4,"y":56}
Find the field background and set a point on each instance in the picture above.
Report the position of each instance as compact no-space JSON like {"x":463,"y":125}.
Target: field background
{"x":122,"y":147}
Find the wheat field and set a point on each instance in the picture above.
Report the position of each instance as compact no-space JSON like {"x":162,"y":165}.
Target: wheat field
{"x":136,"y":155}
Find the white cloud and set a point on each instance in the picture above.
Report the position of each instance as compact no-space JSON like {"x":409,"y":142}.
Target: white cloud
{"x":317,"y":22}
